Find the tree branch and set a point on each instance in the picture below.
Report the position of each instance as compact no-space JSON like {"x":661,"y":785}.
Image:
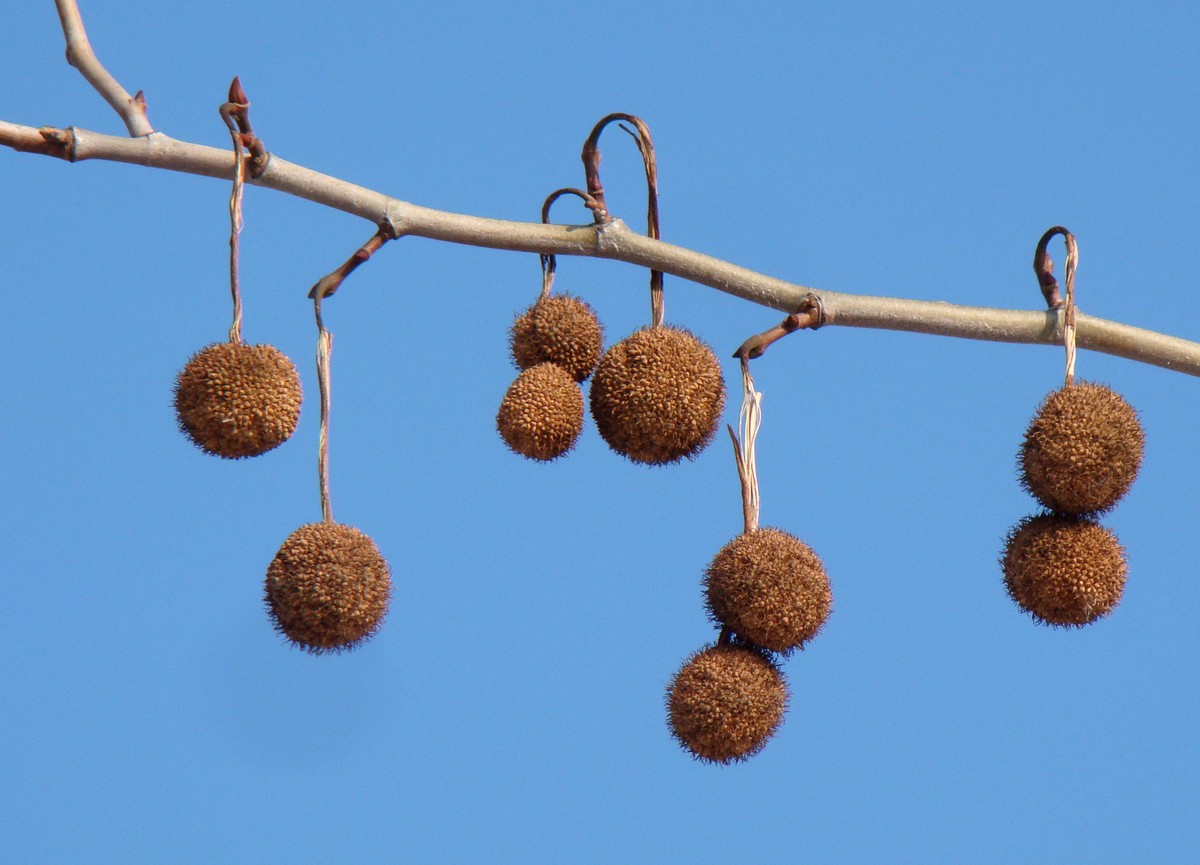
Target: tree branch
{"x":80,"y":55}
{"x":618,"y":242}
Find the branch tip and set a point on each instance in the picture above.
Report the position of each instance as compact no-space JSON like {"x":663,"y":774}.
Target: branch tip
{"x":237,"y":94}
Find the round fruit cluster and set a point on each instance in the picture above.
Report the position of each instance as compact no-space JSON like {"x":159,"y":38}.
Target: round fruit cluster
{"x":556,"y":344}
{"x":656,"y":396}
{"x":769,"y":592}
{"x":1080,"y":456}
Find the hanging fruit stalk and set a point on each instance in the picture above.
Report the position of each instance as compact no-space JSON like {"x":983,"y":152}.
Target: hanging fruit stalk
{"x":231,"y":399}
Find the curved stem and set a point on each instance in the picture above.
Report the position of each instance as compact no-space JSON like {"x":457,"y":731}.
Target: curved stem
{"x":549,"y":264}
{"x":1043,"y":266}
{"x":645,"y":146}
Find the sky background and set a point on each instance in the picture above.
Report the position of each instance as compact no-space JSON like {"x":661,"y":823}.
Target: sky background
{"x":511,"y":710}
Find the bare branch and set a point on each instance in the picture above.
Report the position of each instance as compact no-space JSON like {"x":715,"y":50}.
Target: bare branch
{"x":132,"y":109}
{"x":47,"y":141}
{"x":617,"y":241}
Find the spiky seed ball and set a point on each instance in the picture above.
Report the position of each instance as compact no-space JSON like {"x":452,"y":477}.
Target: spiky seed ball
{"x":236,"y":400}
{"x":657,"y":395}
{"x":1064,"y":570}
{"x":328,"y":587}
{"x":1082,"y":450}
{"x":726,"y":702}
{"x":560,"y":329}
{"x":770,"y":588}
{"x":541,"y":415}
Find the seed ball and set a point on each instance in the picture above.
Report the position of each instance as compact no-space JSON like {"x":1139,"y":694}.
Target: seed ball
{"x":560,"y":329}
{"x":725,"y":702}
{"x":328,"y":588}
{"x":770,"y":588}
{"x":1082,"y":450}
{"x":1064,"y":570}
{"x":657,"y":395}
{"x":541,"y":415}
{"x":236,"y":400}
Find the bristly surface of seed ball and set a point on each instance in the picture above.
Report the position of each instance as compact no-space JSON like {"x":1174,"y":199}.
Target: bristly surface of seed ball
{"x":561,"y":329}
{"x":726,"y":702}
{"x":541,"y":415}
{"x":237,"y":400}
{"x":328,"y":587}
{"x":1064,"y":570}
{"x":657,"y":395}
{"x":1082,"y":450}
{"x":770,"y":588}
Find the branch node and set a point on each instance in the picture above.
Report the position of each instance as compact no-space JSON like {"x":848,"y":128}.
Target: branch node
{"x":812,"y":308}
{"x":59,"y":142}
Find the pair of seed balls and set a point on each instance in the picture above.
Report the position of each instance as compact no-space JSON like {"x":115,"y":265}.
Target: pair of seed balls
{"x":556,"y":343}
{"x":1080,"y":456}
{"x":769,"y":590}
{"x":656,"y":396}
{"x":328,"y":587}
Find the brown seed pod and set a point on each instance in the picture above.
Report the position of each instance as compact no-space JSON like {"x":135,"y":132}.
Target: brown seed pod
{"x":726,"y":702}
{"x":1082,"y":450}
{"x":560,"y":329}
{"x":770,"y":588}
{"x":657,"y":395}
{"x":541,"y":415}
{"x":1064,"y":570}
{"x":237,"y":400}
{"x":328,"y":587}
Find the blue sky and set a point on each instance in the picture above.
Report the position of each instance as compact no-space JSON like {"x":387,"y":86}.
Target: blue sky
{"x":511,"y":710}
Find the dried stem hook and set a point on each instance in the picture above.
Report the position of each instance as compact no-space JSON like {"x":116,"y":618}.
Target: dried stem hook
{"x":591,"y":165}
{"x":549,"y":262}
{"x":1043,"y":266}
